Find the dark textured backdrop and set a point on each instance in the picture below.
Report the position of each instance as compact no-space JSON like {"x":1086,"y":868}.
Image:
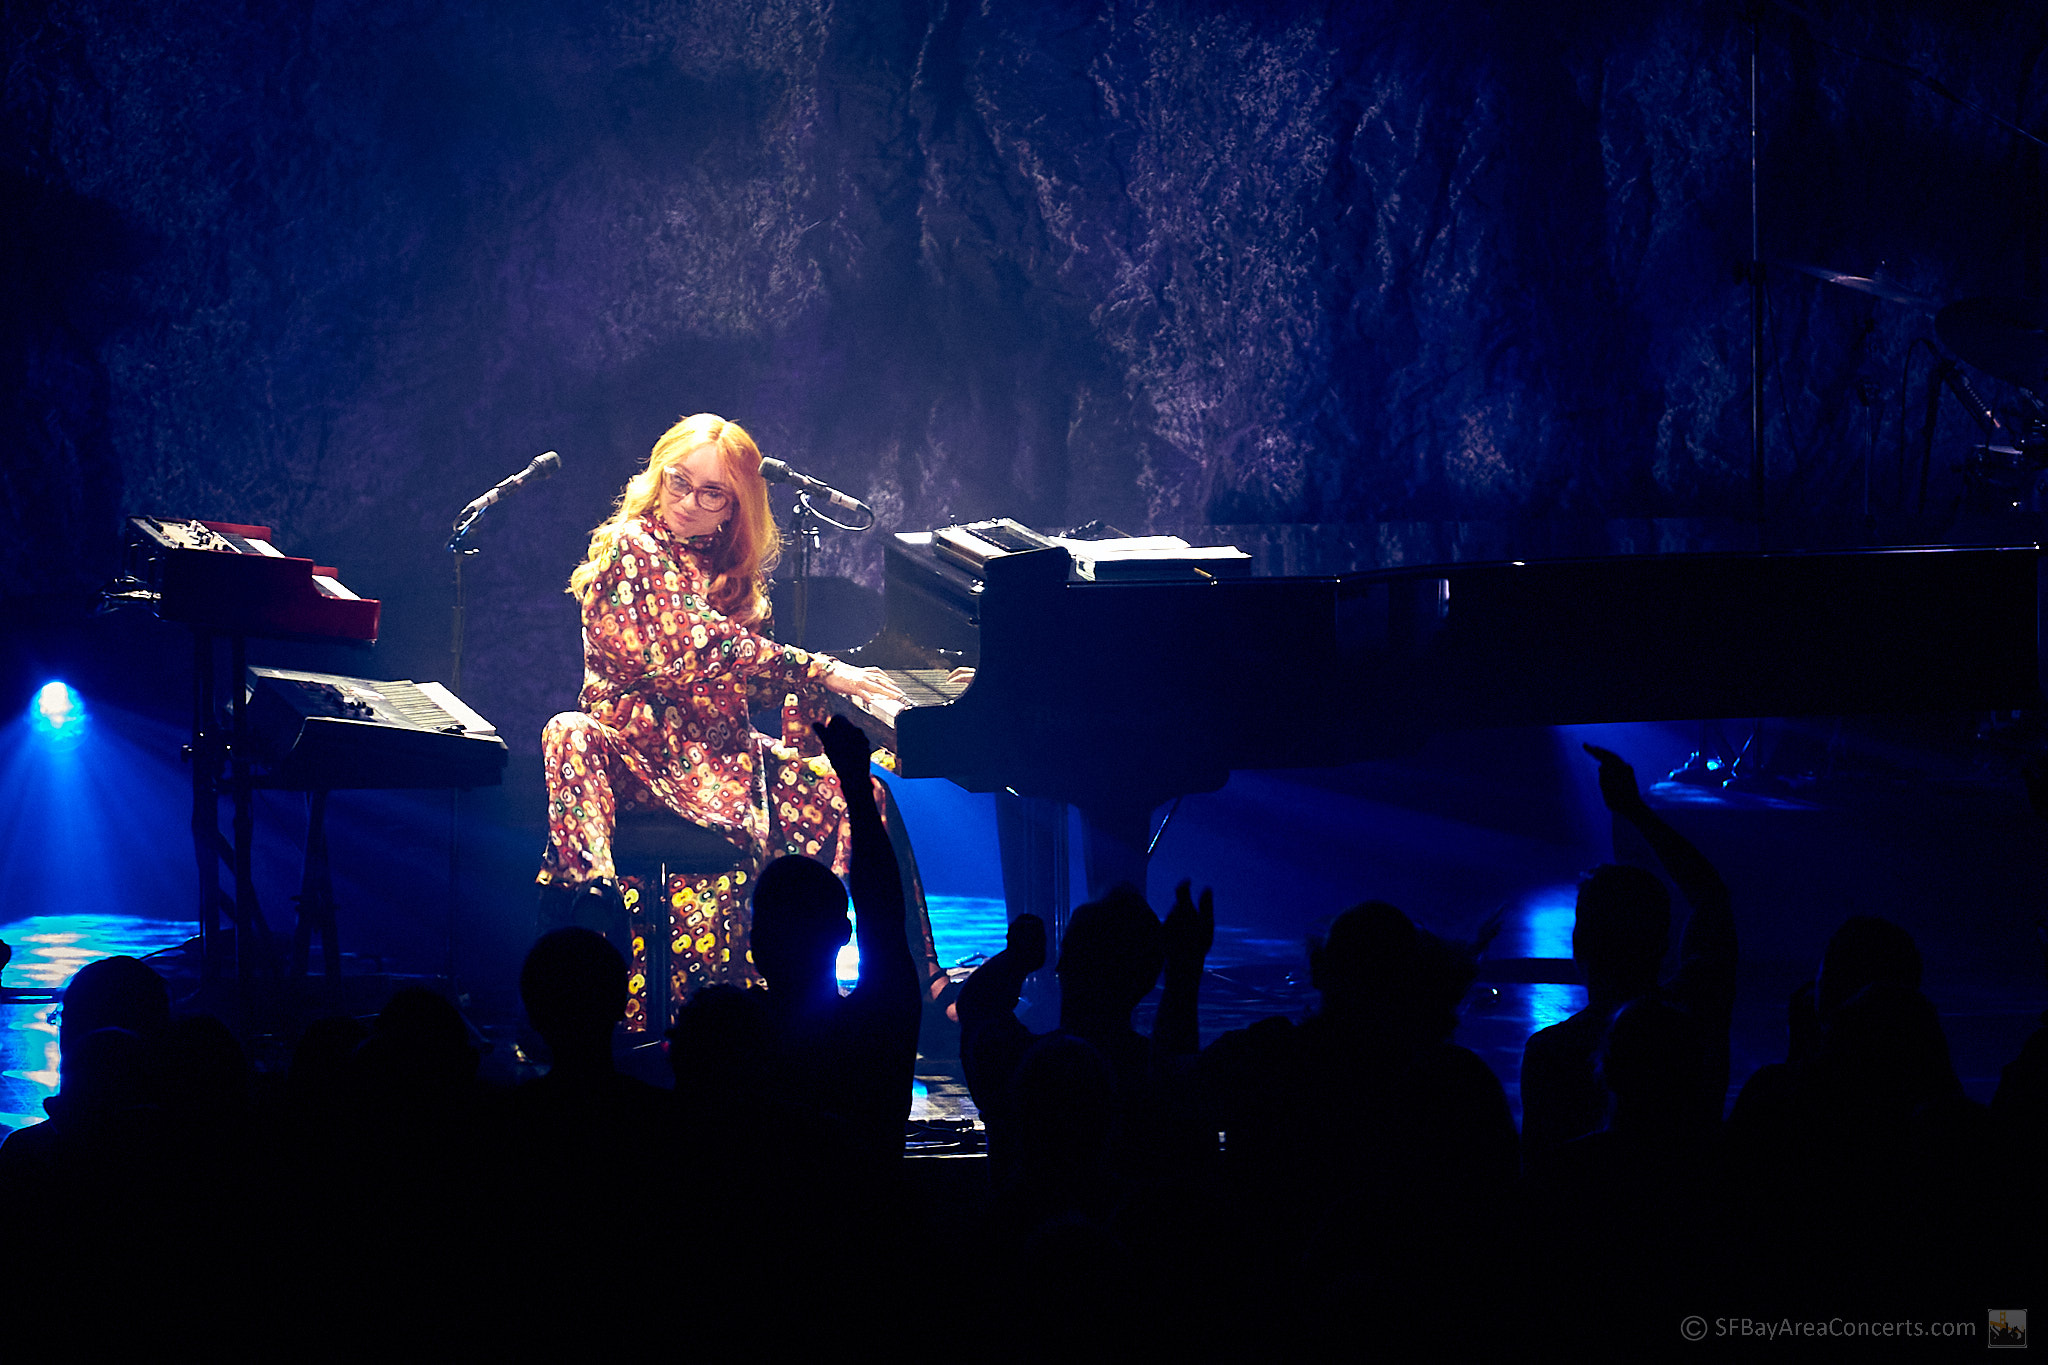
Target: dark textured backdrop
{"x":1453,"y":275}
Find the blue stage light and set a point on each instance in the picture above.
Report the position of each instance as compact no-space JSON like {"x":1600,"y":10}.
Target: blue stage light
{"x":58,"y":710}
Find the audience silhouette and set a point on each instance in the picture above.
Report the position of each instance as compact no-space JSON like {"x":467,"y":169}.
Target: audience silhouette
{"x":1619,"y":938}
{"x":849,"y":1056}
{"x":1367,"y":1140}
{"x":1352,"y":1176}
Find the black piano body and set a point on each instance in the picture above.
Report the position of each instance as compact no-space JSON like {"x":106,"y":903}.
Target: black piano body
{"x":1122,"y":693}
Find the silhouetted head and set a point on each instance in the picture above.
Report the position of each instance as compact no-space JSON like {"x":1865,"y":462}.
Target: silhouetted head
{"x":323,"y":1062}
{"x":1866,"y":950}
{"x":1622,"y":928}
{"x":1654,"y":1062}
{"x":114,"y":992}
{"x":205,"y":1072}
{"x":574,"y":987}
{"x":800,"y":923}
{"x":1366,"y":949}
{"x":1374,"y":959}
{"x":1111,"y":953}
{"x":419,"y":1047}
{"x":106,"y":1071}
{"x":718,"y":1042}
{"x":1065,"y":1099}
{"x":1884,"y":1047}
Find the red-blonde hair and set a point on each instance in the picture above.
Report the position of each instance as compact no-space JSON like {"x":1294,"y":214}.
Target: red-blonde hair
{"x":745,"y":549}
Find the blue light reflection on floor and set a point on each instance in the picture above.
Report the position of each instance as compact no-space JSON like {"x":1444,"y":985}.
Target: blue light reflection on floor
{"x":48,"y":951}
{"x":1549,"y":1002}
{"x":1539,"y":925}
{"x":965,"y":929}
{"x":1535,"y":938}
{"x":94,"y":812}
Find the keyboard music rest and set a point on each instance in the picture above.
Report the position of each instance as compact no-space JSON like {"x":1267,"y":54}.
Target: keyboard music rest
{"x":324,"y":730}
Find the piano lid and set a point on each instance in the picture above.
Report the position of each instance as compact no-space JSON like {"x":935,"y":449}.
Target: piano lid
{"x":1088,"y":691}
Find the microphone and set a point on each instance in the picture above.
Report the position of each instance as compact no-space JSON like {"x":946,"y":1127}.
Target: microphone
{"x":1954,"y":377}
{"x":542,"y":467}
{"x":775,"y":471}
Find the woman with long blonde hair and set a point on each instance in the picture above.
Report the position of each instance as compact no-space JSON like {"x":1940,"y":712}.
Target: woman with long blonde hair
{"x":675,"y":606}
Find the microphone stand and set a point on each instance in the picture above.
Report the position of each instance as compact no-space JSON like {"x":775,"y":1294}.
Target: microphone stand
{"x":806,"y":525}
{"x":805,"y":528}
{"x":461,"y":551}
{"x":1711,"y":762}
{"x":1712,"y":757}
{"x":1756,"y":293}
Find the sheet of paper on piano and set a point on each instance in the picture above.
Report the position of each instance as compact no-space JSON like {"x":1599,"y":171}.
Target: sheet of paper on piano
{"x":1147,"y":556}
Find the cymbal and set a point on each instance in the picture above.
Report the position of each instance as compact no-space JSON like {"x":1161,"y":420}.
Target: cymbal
{"x":1863,"y":284}
{"x":2004,"y":337}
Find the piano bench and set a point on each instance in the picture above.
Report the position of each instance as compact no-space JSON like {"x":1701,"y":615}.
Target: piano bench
{"x":640,"y":837}
{"x":649,"y":850}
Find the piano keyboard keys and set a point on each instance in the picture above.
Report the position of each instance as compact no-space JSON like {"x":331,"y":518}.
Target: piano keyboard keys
{"x":327,"y":730}
{"x":920,"y":687}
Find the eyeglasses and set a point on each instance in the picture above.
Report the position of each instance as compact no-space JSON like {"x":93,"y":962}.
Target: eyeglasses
{"x":711,"y":497}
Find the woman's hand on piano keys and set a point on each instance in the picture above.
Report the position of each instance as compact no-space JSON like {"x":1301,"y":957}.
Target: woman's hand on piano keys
{"x":863,"y":684}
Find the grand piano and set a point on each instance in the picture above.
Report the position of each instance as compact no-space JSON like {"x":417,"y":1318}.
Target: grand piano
{"x":1116,"y":696}
{"x":1141,"y":691}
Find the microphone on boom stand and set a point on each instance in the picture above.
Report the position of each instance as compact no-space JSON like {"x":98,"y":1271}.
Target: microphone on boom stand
{"x":805,"y":533}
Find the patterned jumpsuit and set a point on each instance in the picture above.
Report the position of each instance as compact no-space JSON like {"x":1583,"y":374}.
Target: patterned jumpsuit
{"x":664,"y":724}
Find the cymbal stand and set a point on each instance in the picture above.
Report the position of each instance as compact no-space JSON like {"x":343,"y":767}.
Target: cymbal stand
{"x":1711,"y":763}
{"x":1756,"y":293}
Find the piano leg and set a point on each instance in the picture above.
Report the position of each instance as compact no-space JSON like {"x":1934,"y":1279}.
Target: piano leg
{"x":1031,"y":835}
{"x":1113,"y":846}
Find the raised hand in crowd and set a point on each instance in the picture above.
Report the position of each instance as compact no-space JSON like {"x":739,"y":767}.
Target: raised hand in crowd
{"x":873,"y":876}
{"x":1621,"y":930}
{"x":988,"y":1001}
{"x":998,"y":983}
{"x":1696,"y":878}
{"x":851,"y":1057}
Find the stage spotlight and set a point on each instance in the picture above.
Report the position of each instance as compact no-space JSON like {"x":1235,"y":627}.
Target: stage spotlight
{"x":57,"y":710}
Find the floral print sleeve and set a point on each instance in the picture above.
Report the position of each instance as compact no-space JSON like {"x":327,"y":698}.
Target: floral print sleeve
{"x":648,"y":628}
